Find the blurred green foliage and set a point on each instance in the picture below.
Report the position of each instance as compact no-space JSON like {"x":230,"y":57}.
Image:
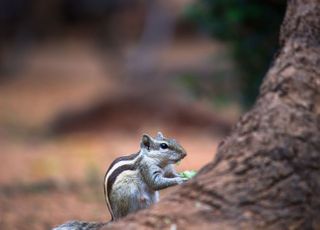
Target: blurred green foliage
{"x":251,"y":27}
{"x":213,"y":90}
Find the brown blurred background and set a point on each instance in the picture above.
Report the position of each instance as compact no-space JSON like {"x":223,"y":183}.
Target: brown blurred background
{"x":81,"y":80}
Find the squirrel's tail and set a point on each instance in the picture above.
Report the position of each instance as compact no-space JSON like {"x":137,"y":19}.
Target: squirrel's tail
{"x":81,"y":225}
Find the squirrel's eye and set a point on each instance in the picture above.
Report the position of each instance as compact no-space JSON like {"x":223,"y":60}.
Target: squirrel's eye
{"x":163,"y":146}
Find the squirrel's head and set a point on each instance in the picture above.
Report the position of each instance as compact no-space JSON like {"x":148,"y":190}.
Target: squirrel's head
{"x":167,"y":150}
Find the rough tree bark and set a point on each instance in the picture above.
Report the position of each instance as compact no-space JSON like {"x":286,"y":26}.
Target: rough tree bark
{"x":266,"y":175}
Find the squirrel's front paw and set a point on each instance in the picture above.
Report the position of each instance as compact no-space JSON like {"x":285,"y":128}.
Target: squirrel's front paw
{"x":181,"y":180}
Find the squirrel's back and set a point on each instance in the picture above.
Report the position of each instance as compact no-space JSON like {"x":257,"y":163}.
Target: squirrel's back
{"x":117,"y":167}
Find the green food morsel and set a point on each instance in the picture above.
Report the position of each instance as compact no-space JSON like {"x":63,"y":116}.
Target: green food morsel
{"x":188,"y":174}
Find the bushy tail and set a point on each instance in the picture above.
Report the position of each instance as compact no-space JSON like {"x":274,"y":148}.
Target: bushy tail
{"x":81,"y":225}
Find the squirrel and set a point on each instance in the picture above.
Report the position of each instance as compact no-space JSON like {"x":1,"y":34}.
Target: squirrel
{"x":132,"y":182}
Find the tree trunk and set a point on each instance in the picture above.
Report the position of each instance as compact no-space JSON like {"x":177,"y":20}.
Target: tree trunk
{"x":267,"y":173}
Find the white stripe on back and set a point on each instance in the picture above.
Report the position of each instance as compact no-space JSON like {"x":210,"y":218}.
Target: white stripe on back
{"x":114,"y":167}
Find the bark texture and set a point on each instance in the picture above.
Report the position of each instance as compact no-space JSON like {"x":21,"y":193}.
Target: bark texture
{"x":266,"y":175}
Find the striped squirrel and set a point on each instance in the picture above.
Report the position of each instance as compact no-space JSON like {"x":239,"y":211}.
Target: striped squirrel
{"x":132,"y":182}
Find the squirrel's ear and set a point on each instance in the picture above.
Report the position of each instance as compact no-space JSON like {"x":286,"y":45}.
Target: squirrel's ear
{"x":159,"y":136}
{"x":146,"y":141}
